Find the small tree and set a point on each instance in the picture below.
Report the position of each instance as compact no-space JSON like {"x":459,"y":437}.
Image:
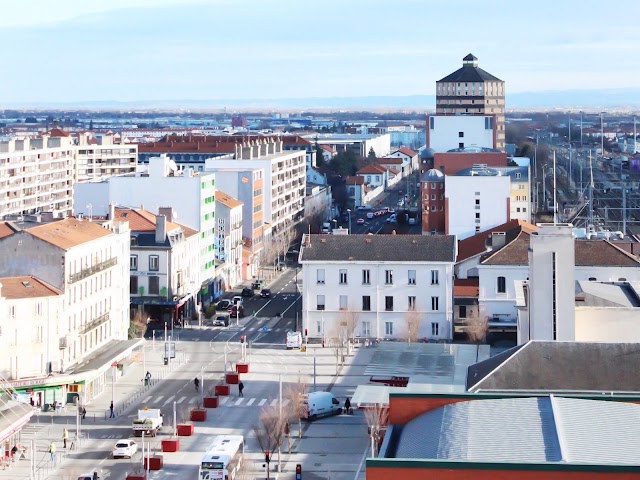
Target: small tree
{"x":412,"y":318}
{"x":295,"y":393}
{"x":269,"y":432}
{"x":477,"y":329}
{"x":377,"y":417}
{"x":348,"y":322}
{"x":137,"y":325}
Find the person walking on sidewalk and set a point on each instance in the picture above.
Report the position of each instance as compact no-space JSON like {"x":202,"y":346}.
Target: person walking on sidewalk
{"x":112,"y":415}
{"x":52,"y":451}
{"x":65,"y":436}
{"x":347,"y":406}
{"x":147,"y":378}
{"x":240,"y":389}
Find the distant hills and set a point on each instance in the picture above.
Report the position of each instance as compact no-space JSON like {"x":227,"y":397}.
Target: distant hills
{"x":623,"y":99}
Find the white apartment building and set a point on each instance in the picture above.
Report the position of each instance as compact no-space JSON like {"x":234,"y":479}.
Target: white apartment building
{"x":360,"y":144}
{"x":382,"y":282}
{"x":30,"y":313}
{"x":190,"y":194}
{"x":89,"y":263}
{"x":99,"y":156}
{"x":448,"y":132}
{"x":284,"y":181}
{"x":164,"y":265}
{"x":36,"y":175}
{"x":229,"y":236}
{"x":475,"y":203}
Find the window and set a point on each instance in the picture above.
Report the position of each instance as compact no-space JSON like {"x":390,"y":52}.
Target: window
{"x":435,"y":329}
{"x":411,"y":303}
{"x":366,"y":329}
{"x":388,"y":304}
{"x":412,"y":277}
{"x":502,"y":285}
{"x":462,"y":311}
{"x":477,"y":201}
{"x":518,"y":175}
{"x":133,"y":285}
{"x":344,"y":301}
{"x":366,"y":277}
{"x":343,"y":277}
{"x":366,"y":303}
{"x":435,"y":303}
{"x":388,"y":328}
{"x":433,"y":197}
{"x":320,"y":302}
{"x":434,"y":277}
{"x":524,"y":209}
{"x":477,"y":215}
{"x":388,"y":277}
{"x":320,"y":275}
{"x":154,"y":285}
{"x":154,"y":263}
{"x":319,"y":327}
{"x":461,"y":145}
{"x":434,"y":208}
{"x":518,"y":209}
{"x":133,"y":262}
{"x":433,"y":186}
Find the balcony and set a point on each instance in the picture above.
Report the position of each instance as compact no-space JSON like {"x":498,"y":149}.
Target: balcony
{"x":87,"y":272}
{"x":96,"y":322}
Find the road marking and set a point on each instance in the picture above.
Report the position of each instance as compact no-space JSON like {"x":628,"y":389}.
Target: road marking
{"x":224,"y":400}
{"x":181,"y":400}
{"x":250,"y":402}
{"x":274,"y":402}
{"x":146,"y":399}
{"x":262,"y":402}
{"x":159,"y":398}
{"x":239,"y":401}
{"x":168,"y":400}
{"x":252,"y":329}
{"x":193,"y":400}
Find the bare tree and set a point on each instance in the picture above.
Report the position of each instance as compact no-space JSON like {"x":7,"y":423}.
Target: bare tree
{"x":477,"y":329}
{"x":283,"y":241}
{"x":338,"y":343}
{"x":269,"y":433}
{"x":295,"y":393}
{"x":267,"y":256}
{"x":137,"y":324}
{"x":377,"y":417}
{"x":347,"y":321}
{"x":412,"y":318}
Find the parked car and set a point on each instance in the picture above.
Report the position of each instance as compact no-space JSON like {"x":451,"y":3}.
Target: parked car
{"x":257,"y":285}
{"x":247,"y":292}
{"x":369,"y":215}
{"x":236,"y":311}
{"x":412,"y":221}
{"x":221,"y":321}
{"x":392,"y":218}
{"x":223,"y":304}
{"x":265,"y":293}
{"x":320,"y":404}
{"x":125,"y":448}
{"x":237,"y":299}
{"x":360,"y":220}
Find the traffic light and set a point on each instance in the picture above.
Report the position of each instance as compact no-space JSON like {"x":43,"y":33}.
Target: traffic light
{"x":306,"y":332}
{"x":266,"y":457}
{"x":242,"y":337}
{"x":298,"y":472}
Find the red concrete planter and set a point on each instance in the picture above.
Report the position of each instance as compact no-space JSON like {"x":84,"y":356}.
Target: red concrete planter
{"x":137,"y":476}
{"x":198,"y":415}
{"x":232,"y":378}
{"x":185,"y":429}
{"x":242,"y":367}
{"x":171,"y":445}
{"x":210,"y":402}
{"x":222,"y":390}
{"x":155,"y":462}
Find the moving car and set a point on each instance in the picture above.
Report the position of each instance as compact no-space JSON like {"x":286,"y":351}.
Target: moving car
{"x":360,"y":220}
{"x":221,"y":321}
{"x":265,"y":293}
{"x":412,"y":221}
{"x":369,"y":215}
{"x":257,"y":285}
{"x":125,"y":448}
{"x":223,"y":304}
{"x":247,"y":292}
{"x":236,"y":311}
{"x":237,"y":299}
{"x":392,"y":218}
{"x":294,"y":340}
{"x":320,"y":404}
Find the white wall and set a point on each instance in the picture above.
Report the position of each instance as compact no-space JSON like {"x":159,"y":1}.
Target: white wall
{"x":460,"y":191}
{"x":445,"y":134}
{"x":381,"y":144}
{"x":490,"y":301}
{"x":602,"y":324}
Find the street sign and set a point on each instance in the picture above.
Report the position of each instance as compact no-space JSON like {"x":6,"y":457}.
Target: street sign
{"x":170,"y":350}
{"x":264,"y":329}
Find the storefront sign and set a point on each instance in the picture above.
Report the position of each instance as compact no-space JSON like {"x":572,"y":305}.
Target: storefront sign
{"x":24,"y":383}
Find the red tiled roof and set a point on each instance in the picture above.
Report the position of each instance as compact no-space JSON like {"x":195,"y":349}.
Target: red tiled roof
{"x":466,"y":287}
{"x":390,"y":160}
{"x":407,"y":151}
{"x":15,"y":288}
{"x":294,"y":140}
{"x":144,"y":221}
{"x":354,"y":180}
{"x":475,"y":245}
{"x":227,"y":200}
{"x":5,"y":230}
{"x":372,"y":168}
{"x":69,"y":232}
{"x":328,"y":148}
{"x":56,"y":132}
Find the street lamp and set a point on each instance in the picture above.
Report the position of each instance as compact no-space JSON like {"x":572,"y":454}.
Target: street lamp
{"x":602,"y":134}
{"x":349,"y":213}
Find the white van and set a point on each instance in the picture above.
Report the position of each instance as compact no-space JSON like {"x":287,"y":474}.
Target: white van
{"x":294,"y":340}
{"x":320,"y":404}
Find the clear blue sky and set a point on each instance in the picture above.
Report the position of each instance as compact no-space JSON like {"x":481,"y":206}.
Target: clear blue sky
{"x":128,"y":50}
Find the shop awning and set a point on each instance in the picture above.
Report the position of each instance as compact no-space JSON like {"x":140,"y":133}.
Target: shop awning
{"x":13,"y":416}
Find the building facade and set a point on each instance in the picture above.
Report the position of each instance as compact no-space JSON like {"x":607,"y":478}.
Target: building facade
{"x":229,"y":236}
{"x":102,"y":156}
{"x":446,"y":132}
{"x":472,"y":91}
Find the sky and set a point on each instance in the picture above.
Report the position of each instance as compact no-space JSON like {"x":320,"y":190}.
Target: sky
{"x":159,"y":50}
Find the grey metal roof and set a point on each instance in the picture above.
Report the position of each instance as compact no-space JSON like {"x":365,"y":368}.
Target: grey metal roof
{"x":378,"y":248}
{"x":599,"y":294}
{"x":526,"y":430}
{"x":469,"y":73}
{"x":560,"y":367}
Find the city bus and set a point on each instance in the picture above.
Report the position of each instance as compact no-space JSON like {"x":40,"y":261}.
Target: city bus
{"x":223,"y":458}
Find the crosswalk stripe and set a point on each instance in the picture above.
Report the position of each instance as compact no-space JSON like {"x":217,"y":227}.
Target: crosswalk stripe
{"x":239,"y":401}
{"x":159,"y":398}
{"x":252,"y":329}
{"x":224,"y":400}
{"x":193,"y":400}
{"x":181,"y":400}
{"x":168,"y":400}
{"x":262,"y":402}
{"x":250,"y":402}
{"x":146,"y":399}
{"x":274,"y":402}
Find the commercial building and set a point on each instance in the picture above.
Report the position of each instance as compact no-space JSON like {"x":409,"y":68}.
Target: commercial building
{"x":381,"y":286}
{"x":36,"y":175}
{"x":229,"y":236}
{"x":359,"y":144}
{"x":472,"y":91}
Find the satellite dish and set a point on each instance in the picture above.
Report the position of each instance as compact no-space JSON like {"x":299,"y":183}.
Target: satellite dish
{"x":172,"y":166}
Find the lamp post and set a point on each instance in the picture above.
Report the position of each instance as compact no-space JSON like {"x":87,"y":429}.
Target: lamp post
{"x":602,"y":134}
{"x":349,"y":213}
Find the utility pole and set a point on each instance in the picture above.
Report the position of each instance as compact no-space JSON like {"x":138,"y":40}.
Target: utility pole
{"x":590,"y":220}
{"x":602,"y":135}
{"x":570,"y":149}
{"x":634,"y":135}
{"x":580,"y":128}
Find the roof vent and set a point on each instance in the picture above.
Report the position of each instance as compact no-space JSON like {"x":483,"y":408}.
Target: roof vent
{"x":323,"y":240}
{"x":27,"y":284}
{"x":368,"y":240}
{"x":414,"y":241}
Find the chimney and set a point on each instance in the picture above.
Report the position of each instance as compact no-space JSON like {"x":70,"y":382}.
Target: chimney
{"x":112,"y":211}
{"x":498,"y":239}
{"x":161,"y":228}
{"x":167,"y":212}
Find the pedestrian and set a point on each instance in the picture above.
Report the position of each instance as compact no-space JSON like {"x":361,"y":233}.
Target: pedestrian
{"x":83,"y":412}
{"x":147,"y":378}
{"x":111,"y":409}
{"x":241,"y":388}
{"x":52,"y":451}
{"x":65,"y":436}
{"x":347,"y":406}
